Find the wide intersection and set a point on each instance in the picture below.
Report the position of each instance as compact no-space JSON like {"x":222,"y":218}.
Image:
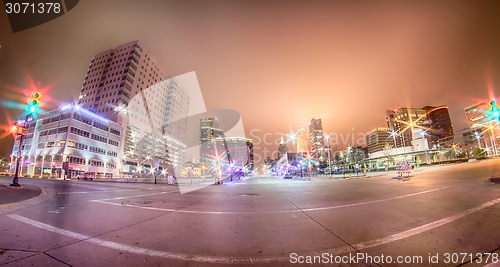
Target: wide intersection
{"x":258,"y":221}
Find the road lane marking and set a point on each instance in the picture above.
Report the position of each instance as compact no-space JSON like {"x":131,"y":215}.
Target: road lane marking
{"x":106,"y":201}
{"x":245,"y":260}
{"x":118,"y":198}
{"x":136,"y":250}
{"x":375,"y":201}
{"x":96,"y":191}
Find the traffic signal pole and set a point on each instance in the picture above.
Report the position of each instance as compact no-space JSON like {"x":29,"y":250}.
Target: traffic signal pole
{"x":15,"y":181}
{"x":32,"y":109}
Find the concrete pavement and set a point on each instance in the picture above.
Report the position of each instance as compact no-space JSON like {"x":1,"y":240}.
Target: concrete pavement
{"x":12,"y":195}
{"x":260,"y":221}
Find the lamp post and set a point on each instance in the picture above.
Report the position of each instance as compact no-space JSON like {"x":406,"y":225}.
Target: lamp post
{"x":327,"y":136}
{"x":478,"y":141}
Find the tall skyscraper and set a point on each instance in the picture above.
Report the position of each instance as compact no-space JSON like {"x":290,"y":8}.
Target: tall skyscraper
{"x":407,"y":124}
{"x":212,"y":141}
{"x":302,"y":140}
{"x":282,"y":148}
{"x":439,"y":122}
{"x":316,"y":134}
{"x":127,"y":85}
{"x":209,"y":129}
{"x":115,"y":76}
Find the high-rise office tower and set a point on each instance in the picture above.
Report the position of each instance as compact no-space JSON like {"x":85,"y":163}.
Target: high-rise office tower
{"x":302,"y":140}
{"x":213,"y":145}
{"x":316,"y":134}
{"x":116,"y":75}
{"x":407,"y":124}
{"x":282,"y":148}
{"x":439,"y":122}
{"x":127,"y":85}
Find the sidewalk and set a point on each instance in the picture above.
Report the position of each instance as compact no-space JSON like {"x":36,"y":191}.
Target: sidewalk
{"x":12,"y":195}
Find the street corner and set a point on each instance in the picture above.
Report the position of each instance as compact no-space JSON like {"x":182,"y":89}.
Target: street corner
{"x":13,"y":199}
{"x":9,"y":195}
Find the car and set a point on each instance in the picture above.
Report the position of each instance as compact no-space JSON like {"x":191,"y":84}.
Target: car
{"x":288,"y":176}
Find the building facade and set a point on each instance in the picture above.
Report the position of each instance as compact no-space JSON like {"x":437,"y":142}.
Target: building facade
{"x":487,"y":128}
{"x":213,"y":144}
{"x":115,"y":76}
{"x":439,"y":122}
{"x":404,"y":121}
{"x":73,"y":138}
{"x":316,"y":134}
{"x":241,"y":151}
{"x":282,"y":148}
{"x":127,"y":85}
{"x":302,"y":140}
{"x":379,"y":139}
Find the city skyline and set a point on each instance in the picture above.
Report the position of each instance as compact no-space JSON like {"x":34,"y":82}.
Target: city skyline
{"x":355,"y":57}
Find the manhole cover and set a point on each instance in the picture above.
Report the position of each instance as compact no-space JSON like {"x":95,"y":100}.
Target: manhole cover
{"x":143,"y":202}
{"x":246,"y":195}
{"x":146,"y":203}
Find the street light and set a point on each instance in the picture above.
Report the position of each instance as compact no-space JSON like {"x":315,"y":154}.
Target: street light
{"x":478,"y":139}
{"x":327,"y":136}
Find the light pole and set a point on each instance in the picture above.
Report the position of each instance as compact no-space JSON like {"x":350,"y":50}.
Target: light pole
{"x":327,"y":136}
{"x":478,"y":141}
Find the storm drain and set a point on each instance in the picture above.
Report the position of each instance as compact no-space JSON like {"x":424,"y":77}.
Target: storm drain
{"x":246,"y":195}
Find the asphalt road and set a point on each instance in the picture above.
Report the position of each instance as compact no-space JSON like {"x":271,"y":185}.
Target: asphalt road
{"x":442,"y":216}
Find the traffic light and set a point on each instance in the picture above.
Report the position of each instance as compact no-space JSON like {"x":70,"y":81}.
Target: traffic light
{"x":34,"y":102}
{"x":13,"y":129}
{"x":494,"y":110}
{"x":341,"y":154}
{"x":16,"y":129}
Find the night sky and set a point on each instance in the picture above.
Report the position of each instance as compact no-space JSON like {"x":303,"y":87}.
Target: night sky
{"x":278,"y":63}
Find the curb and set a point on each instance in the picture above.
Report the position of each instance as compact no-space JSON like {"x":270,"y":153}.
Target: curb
{"x":45,"y":195}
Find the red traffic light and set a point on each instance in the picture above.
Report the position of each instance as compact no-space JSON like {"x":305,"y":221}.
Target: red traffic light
{"x":13,"y":129}
{"x":16,"y":129}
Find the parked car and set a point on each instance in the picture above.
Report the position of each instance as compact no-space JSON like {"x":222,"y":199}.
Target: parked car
{"x":86,"y":176}
{"x":288,"y":176}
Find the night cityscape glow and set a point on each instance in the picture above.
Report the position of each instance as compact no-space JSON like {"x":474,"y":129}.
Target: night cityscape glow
{"x":249,"y":133}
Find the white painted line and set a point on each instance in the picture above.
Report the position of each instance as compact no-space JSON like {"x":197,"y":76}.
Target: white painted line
{"x":118,"y":198}
{"x":266,"y":212}
{"x":414,"y":231}
{"x":375,"y":201}
{"x":96,"y":191}
{"x":138,"y":250}
{"x":223,"y":259}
